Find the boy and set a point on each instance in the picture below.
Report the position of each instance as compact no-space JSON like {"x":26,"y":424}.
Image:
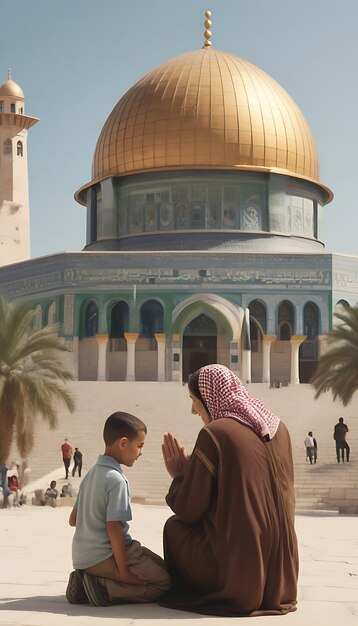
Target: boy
{"x":111,"y":568}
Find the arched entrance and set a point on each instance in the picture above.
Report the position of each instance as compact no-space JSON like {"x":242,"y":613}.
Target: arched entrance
{"x":199,"y":344}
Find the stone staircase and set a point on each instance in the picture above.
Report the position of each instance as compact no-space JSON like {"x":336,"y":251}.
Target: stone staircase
{"x":313,"y":483}
{"x":166,"y":407}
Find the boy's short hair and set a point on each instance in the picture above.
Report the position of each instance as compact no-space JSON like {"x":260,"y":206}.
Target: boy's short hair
{"x":120,"y":425}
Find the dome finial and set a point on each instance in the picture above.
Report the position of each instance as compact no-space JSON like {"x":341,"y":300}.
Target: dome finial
{"x":207,"y":33}
{"x":9,"y":74}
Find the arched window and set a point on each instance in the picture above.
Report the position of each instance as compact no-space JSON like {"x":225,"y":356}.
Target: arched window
{"x":285,"y":321}
{"x":7,"y":146}
{"x":51,"y":313}
{"x":21,"y":110}
{"x":37,"y":318}
{"x":342,"y":305}
{"x":311,"y":321}
{"x":257,"y":324}
{"x":311,"y":328}
{"x":12,"y":108}
{"x":151,"y":318}
{"x":285,"y":332}
{"x":119,"y":320}
{"x":258,"y":311}
{"x":2,"y":106}
{"x":91,"y":320}
{"x":20,"y":149}
{"x":119,"y":324}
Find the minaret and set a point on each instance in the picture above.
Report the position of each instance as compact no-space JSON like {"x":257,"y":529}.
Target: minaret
{"x":14,"y":190}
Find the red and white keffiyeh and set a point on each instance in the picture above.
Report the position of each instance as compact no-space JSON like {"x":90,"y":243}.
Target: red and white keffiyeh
{"x":225,"y":396}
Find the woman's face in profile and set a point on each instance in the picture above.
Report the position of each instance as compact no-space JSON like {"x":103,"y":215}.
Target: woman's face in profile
{"x":197,"y":408}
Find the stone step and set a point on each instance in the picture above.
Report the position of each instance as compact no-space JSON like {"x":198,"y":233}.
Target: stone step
{"x":166,"y":407}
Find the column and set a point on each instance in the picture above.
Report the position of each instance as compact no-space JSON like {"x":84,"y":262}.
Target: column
{"x":246,"y":366}
{"x":102,"y":341}
{"x":267,"y":341}
{"x":68,"y":314}
{"x":75,"y":357}
{"x":246,"y":353}
{"x":160,"y":337}
{"x":131,"y":339}
{"x":234,"y":357}
{"x":176,"y":362}
{"x":295,"y":342}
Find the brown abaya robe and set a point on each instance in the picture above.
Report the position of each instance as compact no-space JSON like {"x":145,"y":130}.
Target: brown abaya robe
{"x":231,"y":548}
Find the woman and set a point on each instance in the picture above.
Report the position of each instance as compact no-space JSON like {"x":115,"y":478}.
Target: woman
{"x":231,"y":548}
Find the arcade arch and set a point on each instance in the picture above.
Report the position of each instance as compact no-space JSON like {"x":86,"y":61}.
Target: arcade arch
{"x":51,"y":313}
{"x":258,"y":325}
{"x":151,"y":323}
{"x":118,"y":322}
{"x":308,"y":355}
{"x":88,"y":348}
{"x":90,"y":325}
{"x":118,"y":326}
{"x":285,"y":321}
{"x":199,"y":344}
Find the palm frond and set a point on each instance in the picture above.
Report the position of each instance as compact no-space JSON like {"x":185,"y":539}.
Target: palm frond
{"x":15,"y":321}
{"x":337,"y":369}
{"x":44,"y":339}
{"x":32,"y":377}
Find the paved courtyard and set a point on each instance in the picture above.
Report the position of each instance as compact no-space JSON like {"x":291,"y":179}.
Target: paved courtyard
{"x":35,"y":553}
{"x":36,"y":560}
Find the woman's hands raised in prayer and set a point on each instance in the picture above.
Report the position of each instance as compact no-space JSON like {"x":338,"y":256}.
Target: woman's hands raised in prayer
{"x":175,"y":456}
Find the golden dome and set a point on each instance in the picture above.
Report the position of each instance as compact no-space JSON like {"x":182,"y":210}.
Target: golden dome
{"x":205,"y":109}
{"x":10,"y":88}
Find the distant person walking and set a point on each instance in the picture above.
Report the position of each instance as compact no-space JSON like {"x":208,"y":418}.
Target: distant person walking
{"x":77,"y":460}
{"x":66,"y":449}
{"x":311,"y":448}
{"x":339,"y":435}
{"x":315,"y":453}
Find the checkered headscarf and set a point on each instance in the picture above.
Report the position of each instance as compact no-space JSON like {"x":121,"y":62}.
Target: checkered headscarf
{"x":225,"y":396}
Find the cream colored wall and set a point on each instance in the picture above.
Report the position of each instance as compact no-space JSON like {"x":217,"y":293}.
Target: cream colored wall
{"x":146,"y":365}
{"x":281,"y":361}
{"x":146,"y":359}
{"x":116,"y":365}
{"x":87,"y":359}
{"x":256,"y":367}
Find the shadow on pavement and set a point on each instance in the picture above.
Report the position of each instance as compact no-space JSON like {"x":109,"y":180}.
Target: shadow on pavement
{"x":59,"y":605}
{"x":326,"y":468}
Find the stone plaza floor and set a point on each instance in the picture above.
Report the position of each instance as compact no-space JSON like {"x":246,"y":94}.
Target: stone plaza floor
{"x":35,"y":557}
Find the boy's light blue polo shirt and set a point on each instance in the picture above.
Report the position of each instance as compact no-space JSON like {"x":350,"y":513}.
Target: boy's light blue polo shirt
{"x":103,"y":497}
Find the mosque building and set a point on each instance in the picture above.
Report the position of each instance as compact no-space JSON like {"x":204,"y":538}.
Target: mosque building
{"x":204,"y":231}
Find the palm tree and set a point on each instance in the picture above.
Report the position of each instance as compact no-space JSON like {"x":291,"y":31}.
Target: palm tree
{"x":337,"y":368}
{"x":32,"y":374}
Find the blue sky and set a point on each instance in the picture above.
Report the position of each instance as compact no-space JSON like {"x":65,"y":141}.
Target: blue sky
{"x":74,"y":60}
